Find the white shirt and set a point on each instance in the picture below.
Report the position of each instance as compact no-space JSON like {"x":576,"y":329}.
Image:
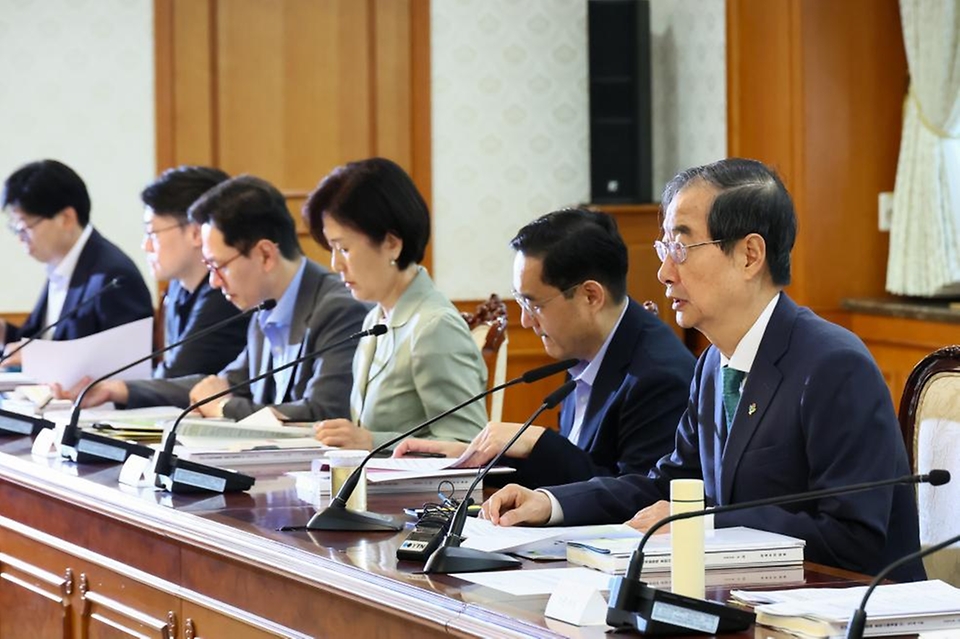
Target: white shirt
{"x":58,"y":279}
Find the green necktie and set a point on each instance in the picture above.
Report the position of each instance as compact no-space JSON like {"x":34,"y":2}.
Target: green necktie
{"x":732,"y":379}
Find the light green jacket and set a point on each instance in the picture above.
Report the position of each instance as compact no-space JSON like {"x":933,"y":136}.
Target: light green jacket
{"x":424,"y":364}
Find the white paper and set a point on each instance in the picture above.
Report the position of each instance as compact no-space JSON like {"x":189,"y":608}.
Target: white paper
{"x":147,"y":418}
{"x":483,"y":535}
{"x":11,"y":379}
{"x":413,"y":464}
{"x":66,"y":362}
{"x":575,"y":604}
{"x":263,"y":417}
{"x":542,"y":581}
{"x":836,"y":604}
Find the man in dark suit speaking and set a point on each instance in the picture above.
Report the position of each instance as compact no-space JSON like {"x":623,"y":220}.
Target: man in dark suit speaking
{"x":782,"y":402}
{"x":570,"y":281}
{"x":48,"y":209}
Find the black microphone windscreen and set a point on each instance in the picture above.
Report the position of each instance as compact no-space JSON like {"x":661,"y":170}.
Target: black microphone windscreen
{"x":938,"y":477}
{"x":267,"y":304}
{"x":560,"y":394}
{"x":377,"y":329}
{"x":546,"y":371}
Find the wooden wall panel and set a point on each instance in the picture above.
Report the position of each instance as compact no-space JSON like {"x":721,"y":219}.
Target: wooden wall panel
{"x":815,"y":88}
{"x":287,"y":90}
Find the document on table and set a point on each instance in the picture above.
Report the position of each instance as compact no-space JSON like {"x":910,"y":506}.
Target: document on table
{"x":520,"y":583}
{"x":483,"y":535}
{"x":66,"y":362}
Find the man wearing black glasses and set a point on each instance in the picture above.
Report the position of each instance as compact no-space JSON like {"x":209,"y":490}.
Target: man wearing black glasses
{"x":570,"y":281}
{"x":48,"y":209}
{"x":252,"y":253}
{"x":783,"y":402}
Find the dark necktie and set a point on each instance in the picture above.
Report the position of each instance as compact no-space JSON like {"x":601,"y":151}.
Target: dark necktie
{"x":732,"y":378}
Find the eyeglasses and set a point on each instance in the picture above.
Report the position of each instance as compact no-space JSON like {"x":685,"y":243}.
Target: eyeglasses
{"x":536,"y":308}
{"x":152,"y":233}
{"x":21,"y":227}
{"x":213,"y":267}
{"x":677,"y":250}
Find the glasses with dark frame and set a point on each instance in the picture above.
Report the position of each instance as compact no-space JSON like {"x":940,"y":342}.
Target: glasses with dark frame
{"x":213,"y":267}
{"x":150,"y":233}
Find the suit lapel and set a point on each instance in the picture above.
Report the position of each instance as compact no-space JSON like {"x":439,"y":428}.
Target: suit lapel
{"x":758,"y":392}
{"x":617,"y":358}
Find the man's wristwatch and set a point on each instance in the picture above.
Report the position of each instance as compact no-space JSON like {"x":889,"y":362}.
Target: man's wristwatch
{"x":220,"y":406}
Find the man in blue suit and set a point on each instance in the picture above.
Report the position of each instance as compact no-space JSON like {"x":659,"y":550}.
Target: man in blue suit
{"x":48,"y":209}
{"x":782,"y":402}
{"x":570,"y":281}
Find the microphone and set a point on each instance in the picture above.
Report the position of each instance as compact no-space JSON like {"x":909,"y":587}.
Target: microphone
{"x":109,"y":286}
{"x":182,"y":476}
{"x":858,"y":620}
{"x":336,"y":516}
{"x":12,"y":423}
{"x":450,"y":557}
{"x":635,"y":606}
{"x":84,"y":446}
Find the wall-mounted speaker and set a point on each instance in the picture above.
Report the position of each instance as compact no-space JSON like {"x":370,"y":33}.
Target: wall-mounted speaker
{"x":621,"y":167}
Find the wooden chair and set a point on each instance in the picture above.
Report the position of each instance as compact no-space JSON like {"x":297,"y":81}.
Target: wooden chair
{"x":930,"y":422}
{"x":488,"y":325}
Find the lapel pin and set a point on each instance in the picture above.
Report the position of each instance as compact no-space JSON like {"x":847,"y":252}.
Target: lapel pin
{"x":751,"y":409}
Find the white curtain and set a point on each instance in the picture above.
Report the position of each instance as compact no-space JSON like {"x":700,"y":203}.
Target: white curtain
{"x":925,"y":229}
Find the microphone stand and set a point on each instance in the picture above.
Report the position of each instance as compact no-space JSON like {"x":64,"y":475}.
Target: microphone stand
{"x":13,"y":423}
{"x":86,"y":447}
{"x":337,"y":516}
{"x":637,"y":607}
{"x":183,"y":476}
{"x":858,"y":621}
{"x":450,"y":556}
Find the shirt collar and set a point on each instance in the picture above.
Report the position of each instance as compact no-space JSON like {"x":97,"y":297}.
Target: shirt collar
{"x":62,"y":272}
{"x":586,"y":370}
{"x":282,"y":313}
{"x":746,"y":350}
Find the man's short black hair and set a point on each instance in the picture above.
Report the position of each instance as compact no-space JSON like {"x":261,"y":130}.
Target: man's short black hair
{"x":375,"y":197}
{"x":172,"y":193}
{"x":46,"y":187}
{"x":576,"y":245}
{"x":246,"y":210}
{"x":751,"y":199}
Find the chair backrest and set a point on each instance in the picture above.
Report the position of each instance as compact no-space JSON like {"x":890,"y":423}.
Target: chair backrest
{"x":930,"y":421}
{"x":488,"y":325}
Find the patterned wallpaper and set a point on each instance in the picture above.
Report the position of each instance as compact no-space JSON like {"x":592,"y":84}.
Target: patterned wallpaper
{"x":77,"y":86}
{"x":510,"y":119}
{"x":510,"y":135}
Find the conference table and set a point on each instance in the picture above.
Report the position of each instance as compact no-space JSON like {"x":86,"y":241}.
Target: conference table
{"x":83,"y":556}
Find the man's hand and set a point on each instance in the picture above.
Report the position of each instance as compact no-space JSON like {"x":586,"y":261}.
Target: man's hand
{"x":14,"y":360}
{"x":343,"y":433}
{"x":651,"y":515}
{"x":110,"y":390}
{"x":210,"y":385}
{"x":447,"y":449}
{"x":513,"y":504}
{"x":494,"y":437}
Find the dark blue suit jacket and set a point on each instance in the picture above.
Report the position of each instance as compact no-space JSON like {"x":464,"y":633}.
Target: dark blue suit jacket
{"x":631,"y":418}
{"x":99,"y":262}
{"x":815,"y":413}
{"x":189,"y":313}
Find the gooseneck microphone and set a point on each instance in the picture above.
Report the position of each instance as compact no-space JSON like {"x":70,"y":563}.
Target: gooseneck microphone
{"x":12,"y":423}
{"x":337,"y":516}
{"x":84,"y":446}
{"x":635,"y":606}
{"x":109,"y":286}
{"x":450,"y":557}
{"x":182,"y":476}
{"x":858,"y":621}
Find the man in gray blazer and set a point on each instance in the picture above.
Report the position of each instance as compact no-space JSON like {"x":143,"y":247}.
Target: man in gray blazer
{"x":251,"y":249}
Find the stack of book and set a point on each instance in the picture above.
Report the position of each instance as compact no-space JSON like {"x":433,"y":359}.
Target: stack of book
{"x":738,"y":547}
{"x":894,"y":609}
